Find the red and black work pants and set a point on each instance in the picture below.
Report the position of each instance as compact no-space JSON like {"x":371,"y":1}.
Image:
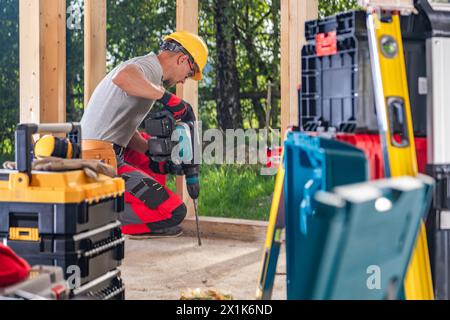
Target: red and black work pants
{"x":149,"y":205}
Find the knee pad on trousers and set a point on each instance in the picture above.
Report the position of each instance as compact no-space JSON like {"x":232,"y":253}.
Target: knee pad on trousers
{"x":179,"y":214}
{"x":177,"y":217}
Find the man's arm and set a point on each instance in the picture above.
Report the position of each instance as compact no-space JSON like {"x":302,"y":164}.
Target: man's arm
{"x":137,"y":143}
{"x":132,"y":80}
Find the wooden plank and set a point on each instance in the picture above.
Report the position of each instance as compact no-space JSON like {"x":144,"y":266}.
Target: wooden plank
{"x":187,"y":20}
{"x":54,"y":59}
{"x":289,"y":29}
{"x":407,"y":5}
{"x":224,"y":228}
{"x":30,"y":66}
{"x":42,"y":61}
{"x":294,"y":13}
{"x":94,"y":45}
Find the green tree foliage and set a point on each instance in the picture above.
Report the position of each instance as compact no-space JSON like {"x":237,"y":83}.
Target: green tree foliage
{"x":137,"y":27}
{"x":228,"y":102}
{"x":258,"y":32}
{"x":75,"y":69}
{"x":255,"y":30}
{"x":331,"y":7}
{"x":9,"y":75}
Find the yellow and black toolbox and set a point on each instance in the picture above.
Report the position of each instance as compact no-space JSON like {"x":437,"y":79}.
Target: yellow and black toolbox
{"x":63,"y":218}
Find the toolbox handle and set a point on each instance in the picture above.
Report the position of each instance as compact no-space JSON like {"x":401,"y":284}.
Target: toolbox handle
{"x":24,"y":140}
{"x":106,"y":247}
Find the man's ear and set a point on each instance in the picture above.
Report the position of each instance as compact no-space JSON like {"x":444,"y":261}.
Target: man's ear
{"x":182,"y":59}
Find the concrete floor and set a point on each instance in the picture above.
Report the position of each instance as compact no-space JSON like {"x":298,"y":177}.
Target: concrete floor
{"x":161,"y":269}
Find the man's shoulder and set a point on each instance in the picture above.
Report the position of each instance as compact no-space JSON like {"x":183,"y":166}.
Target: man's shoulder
{"x":150,"y":65}
{"x":149,"y":57}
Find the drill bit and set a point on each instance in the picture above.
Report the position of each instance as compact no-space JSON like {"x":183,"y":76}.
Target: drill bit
{"x":196,"y":221}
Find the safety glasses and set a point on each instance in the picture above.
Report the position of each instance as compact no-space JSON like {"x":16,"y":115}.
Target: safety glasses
{"x":193,"y":67}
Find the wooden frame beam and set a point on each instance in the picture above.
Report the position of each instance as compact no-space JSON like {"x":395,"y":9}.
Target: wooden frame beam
{"x":187,"y":20}
{"x":94,"y":45}
{"x":42,"y":61}
{"x":294,"y":13}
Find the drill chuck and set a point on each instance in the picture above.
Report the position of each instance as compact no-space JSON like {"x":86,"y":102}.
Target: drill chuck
{"x":193,"y":186}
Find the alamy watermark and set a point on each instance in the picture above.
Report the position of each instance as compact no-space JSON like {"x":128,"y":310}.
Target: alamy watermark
{"x":74,"y":277}
{"x":75,"y":15}
{"x":232,"y":146}
{"x":374,"y":280}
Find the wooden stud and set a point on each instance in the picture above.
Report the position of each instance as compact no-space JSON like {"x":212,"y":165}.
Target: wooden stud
{"x":294,"y":13}
{"x":42,"y":61}
{"x":94,"y":45}
{"x":187,"y":20}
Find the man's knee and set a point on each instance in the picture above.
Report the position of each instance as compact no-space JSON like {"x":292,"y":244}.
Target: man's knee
{"x":179,"y":214}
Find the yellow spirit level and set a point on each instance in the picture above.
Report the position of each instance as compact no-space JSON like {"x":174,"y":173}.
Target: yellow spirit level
{"x":395,"y":125}
{"x":273,"y":238}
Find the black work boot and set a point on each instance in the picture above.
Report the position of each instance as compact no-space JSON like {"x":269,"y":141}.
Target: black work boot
{"x":172,"y":232}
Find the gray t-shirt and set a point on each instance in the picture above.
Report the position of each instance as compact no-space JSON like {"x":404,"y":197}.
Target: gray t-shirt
{"x":114,"y":116}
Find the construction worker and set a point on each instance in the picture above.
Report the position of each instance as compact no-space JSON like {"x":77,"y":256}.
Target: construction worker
{"x":118,"y":106}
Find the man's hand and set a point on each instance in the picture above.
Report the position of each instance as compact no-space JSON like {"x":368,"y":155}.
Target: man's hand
{"x":189,"y":115}
{"x":165,"y":167}
{"x":180,"y":109}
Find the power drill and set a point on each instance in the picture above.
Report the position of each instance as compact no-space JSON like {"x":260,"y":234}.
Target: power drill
{"x":192,"y":180}
{"x":184,"y":156}
{"x":190,"y":169}
{"x":176,"y":144}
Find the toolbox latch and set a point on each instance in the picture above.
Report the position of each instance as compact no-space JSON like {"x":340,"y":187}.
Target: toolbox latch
{"x":24,"y":234}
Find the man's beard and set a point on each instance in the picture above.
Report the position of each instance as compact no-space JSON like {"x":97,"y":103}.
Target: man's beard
{"x":168,"y":83}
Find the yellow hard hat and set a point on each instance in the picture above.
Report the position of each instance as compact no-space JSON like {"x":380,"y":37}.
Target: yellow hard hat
{"x":195,"y":46}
